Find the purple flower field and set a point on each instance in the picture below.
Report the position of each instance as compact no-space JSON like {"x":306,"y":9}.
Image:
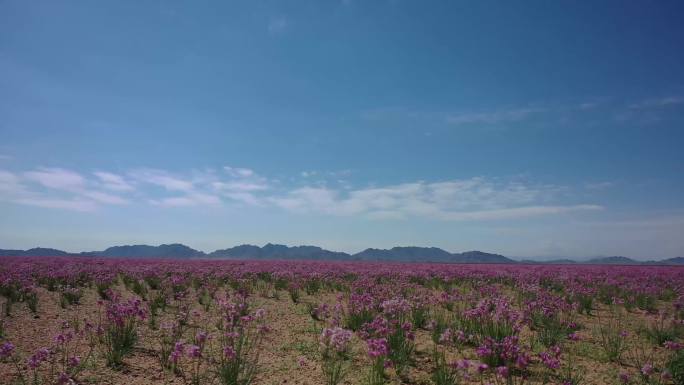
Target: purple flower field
{"x":90,"y":321}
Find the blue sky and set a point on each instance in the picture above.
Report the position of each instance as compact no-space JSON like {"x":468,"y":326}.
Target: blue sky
{"x":535,"y":129}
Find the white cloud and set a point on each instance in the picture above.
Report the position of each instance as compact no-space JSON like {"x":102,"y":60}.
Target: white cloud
{"x":163,"y":179}
{"x":57,"y":178}
{"x":6,"y":157}
{"x":452,"y":200}
{"x":240,"y":186}
{"x":9,"y":182}
{"x":245,"y":198}
{"x":113,"y":182}
{"x":193,"y":199}
{"x":470,"y":199}
{"x":239,"y":172}
{"x":106,"y":198}
{"x":65,"y":189}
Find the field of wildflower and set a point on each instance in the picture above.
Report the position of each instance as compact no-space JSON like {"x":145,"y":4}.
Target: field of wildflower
{"x":96,"y":321}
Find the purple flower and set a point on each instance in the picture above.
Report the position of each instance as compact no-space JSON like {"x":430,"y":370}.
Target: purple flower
{"x":260,"y":313}
{"x":177,"y":352}
{"x":201,"y":337}
{"x":194,"y":351}
{"x":624,"y":377}
{"x":229,"y":353}
{"x":74,"y":361}
{"x":462,"y":364}
{"x":671,"y":345}
{"x":301,"y":361}
{"x":335,"y":338}
{"x":6,"y":349}
{"x":647,"y":369}
{"x":446,"y":336}
{"x":377,"y":347}
{"x":502,"y":371}
{"x":64,"y":379}
{"x":38,"y":357}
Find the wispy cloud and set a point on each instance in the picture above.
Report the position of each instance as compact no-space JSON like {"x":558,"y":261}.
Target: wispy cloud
{"x":470,"y":199}
{"x":162,"y":178}
{"x":473,"y":199}
{"x":192,"y":199}
{"x":65,"y":204}
{"x":493,"y":116}
{"x":61,"y":189}
{"x":10,"y":184}
{"x":113,"y":182}
{"x":647,"y":110}
{"x":6,"y":157}
{"x":657,"y":103}
{"x":57,"y":178}
{"x":207,"y":187}
{"x":73,"y":182}
{"x":239,"y":172}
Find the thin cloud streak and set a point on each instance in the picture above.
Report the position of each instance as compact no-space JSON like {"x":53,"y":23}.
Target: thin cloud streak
{"x":656,"y":103}
{"x":493,"y":117}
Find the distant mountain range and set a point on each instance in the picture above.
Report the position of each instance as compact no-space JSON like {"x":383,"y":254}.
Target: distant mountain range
{"x":274,"y":251}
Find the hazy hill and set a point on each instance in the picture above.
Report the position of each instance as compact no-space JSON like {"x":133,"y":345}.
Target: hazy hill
{"x":404,"y":254}
{"x":175,"y":250}
{"x":35,"y":252}
{"x":276,"y":251}
{"x":615,"y":260}
{"x":481,"y":257}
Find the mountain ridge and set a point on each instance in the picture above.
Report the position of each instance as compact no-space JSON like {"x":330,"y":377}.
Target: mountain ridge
{"x":308,"y":252}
